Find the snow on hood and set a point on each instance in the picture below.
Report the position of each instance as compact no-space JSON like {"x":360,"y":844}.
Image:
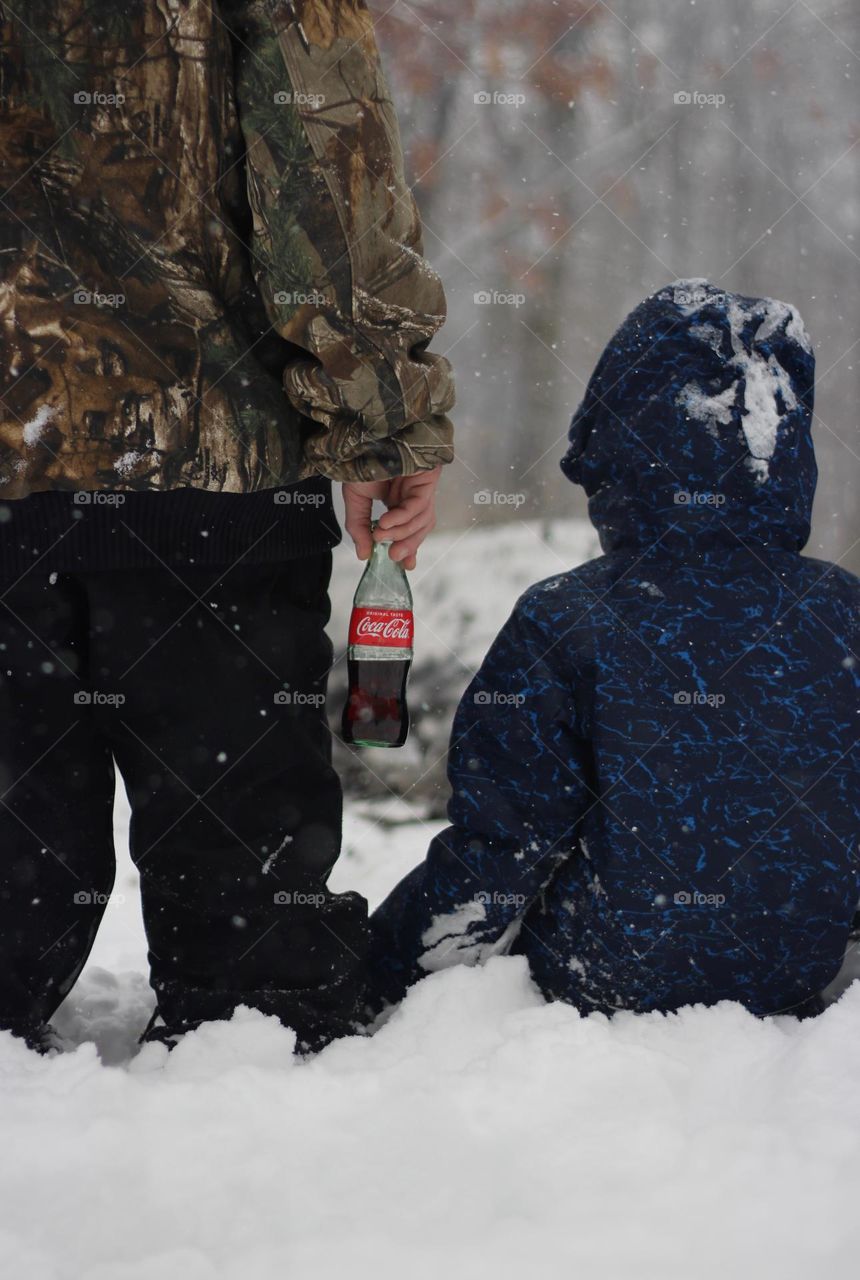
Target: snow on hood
{"x":696,"y":424}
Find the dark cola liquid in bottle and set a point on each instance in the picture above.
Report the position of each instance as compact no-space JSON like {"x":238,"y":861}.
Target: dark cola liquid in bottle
{"x":379,"y":655}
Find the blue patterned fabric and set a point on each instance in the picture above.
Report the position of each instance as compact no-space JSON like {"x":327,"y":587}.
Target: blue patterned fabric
{"x":655,"y":773}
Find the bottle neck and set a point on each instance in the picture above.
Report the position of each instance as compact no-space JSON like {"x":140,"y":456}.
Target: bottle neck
{"x":384,"y":581}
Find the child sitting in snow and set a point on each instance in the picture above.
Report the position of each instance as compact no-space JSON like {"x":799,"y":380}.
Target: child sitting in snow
{"x":656,"y":792}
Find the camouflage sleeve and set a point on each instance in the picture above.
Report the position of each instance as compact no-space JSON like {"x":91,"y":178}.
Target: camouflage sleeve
{"x":336,"y":239}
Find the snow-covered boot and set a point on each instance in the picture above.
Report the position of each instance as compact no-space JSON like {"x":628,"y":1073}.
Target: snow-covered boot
{"x":39,"y":1036}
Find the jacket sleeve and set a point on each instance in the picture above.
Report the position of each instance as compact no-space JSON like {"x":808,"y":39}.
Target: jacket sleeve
{"x":336,"y":241}
{"x":517,"y":766}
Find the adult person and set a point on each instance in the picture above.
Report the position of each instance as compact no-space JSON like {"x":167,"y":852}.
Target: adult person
{"x":214,"y":303}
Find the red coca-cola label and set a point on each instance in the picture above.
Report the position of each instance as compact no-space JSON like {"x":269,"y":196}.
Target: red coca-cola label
{"x":385,"y":628}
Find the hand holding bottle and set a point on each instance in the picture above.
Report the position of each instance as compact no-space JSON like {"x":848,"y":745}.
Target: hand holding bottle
{"x":411,"y":514}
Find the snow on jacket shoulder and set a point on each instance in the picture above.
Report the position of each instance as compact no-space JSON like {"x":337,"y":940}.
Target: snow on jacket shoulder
{"x":204,"y":209}
{"x":655,"y":773}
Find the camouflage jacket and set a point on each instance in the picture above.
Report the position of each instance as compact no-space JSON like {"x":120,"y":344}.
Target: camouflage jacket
{"x":211,"y":270}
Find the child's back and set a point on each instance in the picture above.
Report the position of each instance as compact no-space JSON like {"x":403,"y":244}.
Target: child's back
{"x":655,"y":773}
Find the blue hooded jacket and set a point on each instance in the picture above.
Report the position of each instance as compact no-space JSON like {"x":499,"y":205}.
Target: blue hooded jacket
{"x":655,"y":774}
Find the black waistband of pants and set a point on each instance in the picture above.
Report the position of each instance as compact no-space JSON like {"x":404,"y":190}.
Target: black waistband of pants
{"x":64,"y":531}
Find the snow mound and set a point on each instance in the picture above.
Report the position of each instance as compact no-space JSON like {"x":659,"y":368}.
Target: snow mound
{"x":481,"y":1132}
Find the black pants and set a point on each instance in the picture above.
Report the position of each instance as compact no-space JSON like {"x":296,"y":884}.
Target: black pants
{"x":207,"y":688}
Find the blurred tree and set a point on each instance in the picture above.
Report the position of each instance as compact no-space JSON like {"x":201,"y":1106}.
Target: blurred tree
{"x":588,"y":186}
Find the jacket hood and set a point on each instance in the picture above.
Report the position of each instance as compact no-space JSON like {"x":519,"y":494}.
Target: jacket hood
{"x":695,"y":428}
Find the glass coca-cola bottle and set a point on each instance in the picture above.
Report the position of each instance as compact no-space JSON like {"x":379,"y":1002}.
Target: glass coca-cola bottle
{"x":379,"y":655}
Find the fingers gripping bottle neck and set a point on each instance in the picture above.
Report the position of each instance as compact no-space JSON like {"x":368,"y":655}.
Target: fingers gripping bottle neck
{"x":380,"y":654}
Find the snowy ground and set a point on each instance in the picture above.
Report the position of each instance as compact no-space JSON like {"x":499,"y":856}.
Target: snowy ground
{"x":480,"y":1133}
